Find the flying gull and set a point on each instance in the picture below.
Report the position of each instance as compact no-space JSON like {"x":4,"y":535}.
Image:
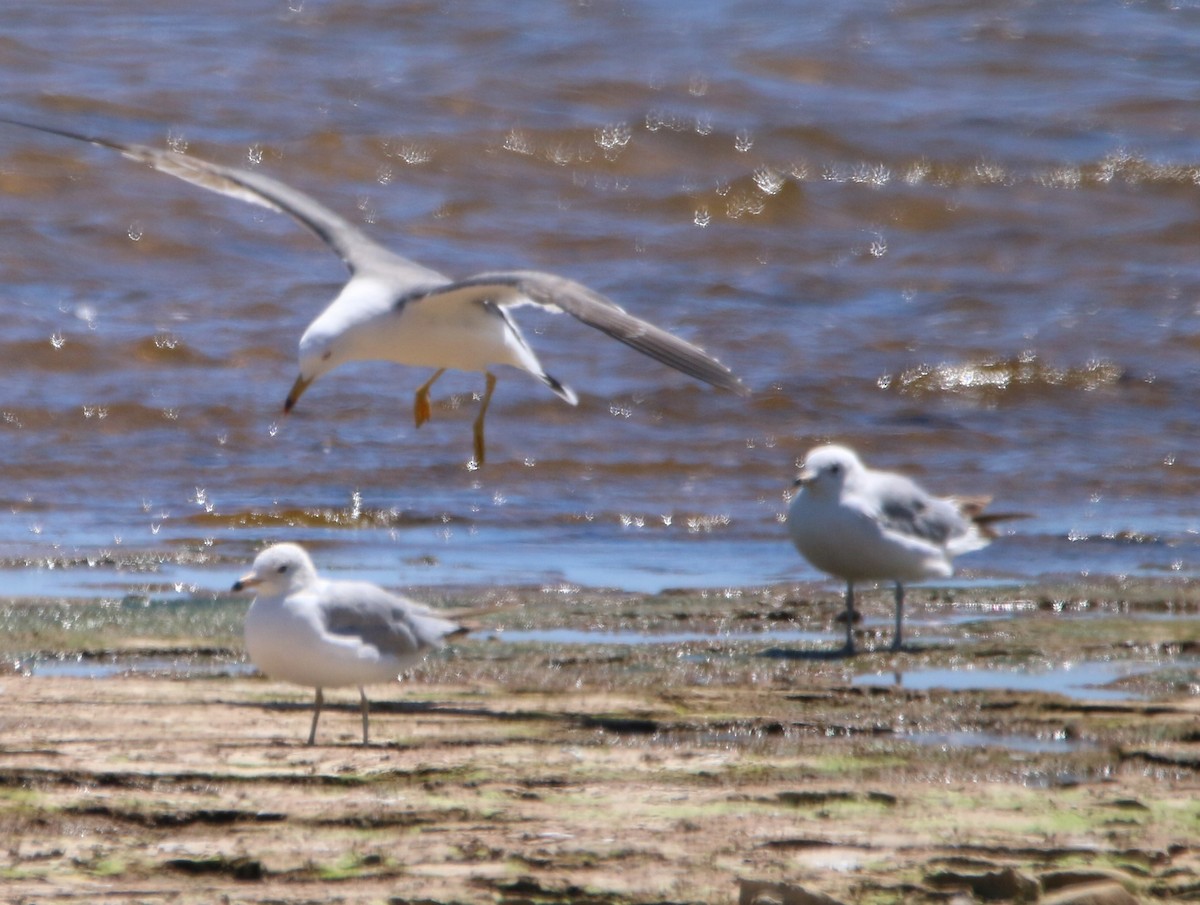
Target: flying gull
{"x":393,"y":309}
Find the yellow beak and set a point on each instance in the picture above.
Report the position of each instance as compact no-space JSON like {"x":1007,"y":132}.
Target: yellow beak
{"x":296,"y":392}
{"x":245,"y":582}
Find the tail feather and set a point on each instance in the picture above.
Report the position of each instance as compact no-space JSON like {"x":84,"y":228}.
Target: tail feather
{"x":986,"y":520}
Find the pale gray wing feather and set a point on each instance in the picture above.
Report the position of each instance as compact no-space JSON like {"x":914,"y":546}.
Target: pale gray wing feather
{"x":356,"y":249}
{"x":393,"y":624}
{"x":516,"y":287}
{"x":907,"y":509}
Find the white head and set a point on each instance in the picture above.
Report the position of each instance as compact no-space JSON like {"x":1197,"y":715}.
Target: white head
{"x":278,"y":570}
{"x":343,"y":332}
{"x":320,"y":352}
{"x":827,"y":468}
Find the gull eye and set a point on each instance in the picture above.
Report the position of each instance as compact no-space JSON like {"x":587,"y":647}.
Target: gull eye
{"x":281,"y":569}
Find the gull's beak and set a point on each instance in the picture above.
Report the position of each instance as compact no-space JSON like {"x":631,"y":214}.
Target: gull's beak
{"x":246,"y":582}
{"x":297,"y":391}
{"x":803,"y":478}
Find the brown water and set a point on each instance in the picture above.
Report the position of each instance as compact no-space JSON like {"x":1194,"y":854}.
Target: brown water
{"x":961,"y":240}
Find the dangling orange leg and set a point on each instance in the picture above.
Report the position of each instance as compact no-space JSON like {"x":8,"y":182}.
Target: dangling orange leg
{"x":421,"y":409}
{"x":483,"y":407}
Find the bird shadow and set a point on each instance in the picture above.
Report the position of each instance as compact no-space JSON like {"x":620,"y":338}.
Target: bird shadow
{"x":573,"y":719}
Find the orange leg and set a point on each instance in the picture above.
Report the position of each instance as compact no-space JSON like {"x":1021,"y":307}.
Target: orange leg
{"x":483,"y":407}
{"x":421,"y":409}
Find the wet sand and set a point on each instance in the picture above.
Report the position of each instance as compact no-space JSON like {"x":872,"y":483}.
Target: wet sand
{"x":686,"y":771}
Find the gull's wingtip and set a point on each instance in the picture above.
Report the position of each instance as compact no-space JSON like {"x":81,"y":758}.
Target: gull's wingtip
{"x":704,"y":367}
{"x":736,"y":385}
{"x":63,"y":133}
{"x":563,"y":391}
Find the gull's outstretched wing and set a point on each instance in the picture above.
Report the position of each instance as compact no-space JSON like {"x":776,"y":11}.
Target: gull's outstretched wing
{"x":355,"y":248}
{"x":528,"y":287}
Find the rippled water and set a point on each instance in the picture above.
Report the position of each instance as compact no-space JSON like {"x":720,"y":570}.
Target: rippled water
{"x":959,"y":237}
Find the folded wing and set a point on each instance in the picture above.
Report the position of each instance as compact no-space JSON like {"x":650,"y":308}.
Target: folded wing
{"x":395,"y":625}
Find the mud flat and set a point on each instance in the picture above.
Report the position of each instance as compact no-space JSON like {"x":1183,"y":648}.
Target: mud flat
{"x":1031,"y":744}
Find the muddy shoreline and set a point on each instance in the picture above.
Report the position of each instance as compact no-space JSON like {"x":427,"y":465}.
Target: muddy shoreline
{"x":527,"y":764}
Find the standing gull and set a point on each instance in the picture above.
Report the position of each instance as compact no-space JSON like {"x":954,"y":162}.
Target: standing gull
{"x":393,"y":309}
{"x":314,"y":631}
{"x":865,"y":525}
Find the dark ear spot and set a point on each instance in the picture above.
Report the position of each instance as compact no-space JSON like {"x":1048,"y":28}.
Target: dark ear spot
{"x":328,"y":355}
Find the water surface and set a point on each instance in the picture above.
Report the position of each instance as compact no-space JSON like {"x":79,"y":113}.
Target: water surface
{"x":960,"y":238}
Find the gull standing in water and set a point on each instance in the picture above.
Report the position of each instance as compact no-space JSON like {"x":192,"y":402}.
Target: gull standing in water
{"x":321,"y":633}
{"x":865,"y":525}
{"x":393,"y":309}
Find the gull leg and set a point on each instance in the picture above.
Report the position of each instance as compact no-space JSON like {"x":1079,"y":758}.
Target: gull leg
{"x":898,"y":638}
{"x":312,"y":733}
{"x":421,"y":409}
{"x":849,"y":617}
{"x":483,"y":407}
{"x":366,"y":709}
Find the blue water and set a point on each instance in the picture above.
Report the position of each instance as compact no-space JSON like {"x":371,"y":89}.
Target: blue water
{"x":1082,"y":680}
{"x":959,"y":238}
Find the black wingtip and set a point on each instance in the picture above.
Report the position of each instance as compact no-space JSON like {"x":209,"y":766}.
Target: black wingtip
{"x":736,"y":386}
{"x":62,"y":133}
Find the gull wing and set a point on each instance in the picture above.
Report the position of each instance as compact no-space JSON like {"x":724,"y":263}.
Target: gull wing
{"x":922,"y":517}
{"x":356,"y":249}
{"x":512,"y":288}
{"x":393,"y":624}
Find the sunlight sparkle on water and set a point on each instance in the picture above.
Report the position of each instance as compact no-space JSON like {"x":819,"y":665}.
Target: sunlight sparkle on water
{"x":769,"y":180}
{"x":615,"y":137}
{"x":518,"y":143}
{"x":414,"y":155}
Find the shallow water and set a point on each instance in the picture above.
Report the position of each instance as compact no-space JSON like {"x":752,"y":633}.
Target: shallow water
{"x":1091,"y":680}
{"x":962,"y":239}
{"x":80,"y":667}
{"x":1031,"y":744}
